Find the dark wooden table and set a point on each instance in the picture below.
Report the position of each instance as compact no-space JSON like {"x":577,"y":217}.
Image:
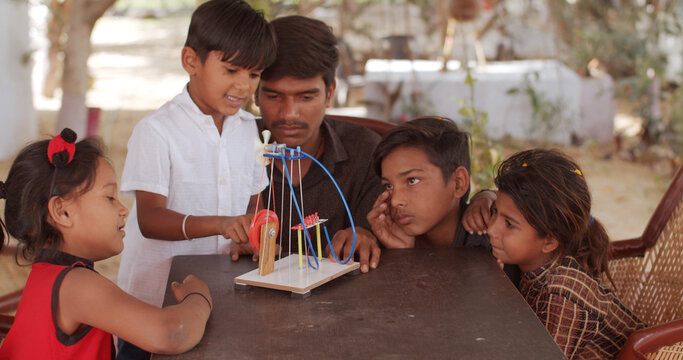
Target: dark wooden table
{"x":420,"y":303}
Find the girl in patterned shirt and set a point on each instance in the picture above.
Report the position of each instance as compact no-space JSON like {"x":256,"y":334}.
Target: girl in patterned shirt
{"x":63,"y":207}
{"x":541,"y":221}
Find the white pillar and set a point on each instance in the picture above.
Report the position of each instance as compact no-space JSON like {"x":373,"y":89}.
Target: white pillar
{"x":18,"y":123}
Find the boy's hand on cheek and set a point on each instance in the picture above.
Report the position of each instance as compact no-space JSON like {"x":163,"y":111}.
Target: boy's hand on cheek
{"x":384,"y":227}
{"x":366,"y":247}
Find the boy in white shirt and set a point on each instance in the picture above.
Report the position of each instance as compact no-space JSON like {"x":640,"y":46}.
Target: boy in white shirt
{"x":191,"y":163}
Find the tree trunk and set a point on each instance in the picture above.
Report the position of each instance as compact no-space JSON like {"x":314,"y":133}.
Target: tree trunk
{"x":442,"y":14}
{"x":59,"y":15}
{"x":306,"y":7}
{"x":343,"y":12}
{"x":75,"y":80}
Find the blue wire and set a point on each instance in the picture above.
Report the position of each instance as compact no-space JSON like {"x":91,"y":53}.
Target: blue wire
{"x":298,"y":211}
{"x":333,"y":253}
{"x":348,"y":212}
{"x":346,"y":206}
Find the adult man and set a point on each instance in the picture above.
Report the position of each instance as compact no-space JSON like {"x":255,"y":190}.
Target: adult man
{"x":293,"y":95}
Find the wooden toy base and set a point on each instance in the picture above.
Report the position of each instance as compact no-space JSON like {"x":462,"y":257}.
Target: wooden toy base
{"x":289,"y":277}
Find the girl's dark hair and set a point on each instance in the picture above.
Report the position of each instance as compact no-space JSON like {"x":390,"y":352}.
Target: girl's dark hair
{"x":234,"y":28}
{"x":306,"y":48}
{"x":445,"y":145}
{"x":27,"y":191}
{"x":550,"y":191}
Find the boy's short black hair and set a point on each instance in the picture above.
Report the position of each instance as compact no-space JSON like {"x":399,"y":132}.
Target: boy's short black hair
{"x":446,"y":146}
{"x":234,"y":28}
{"x":306,"y":48}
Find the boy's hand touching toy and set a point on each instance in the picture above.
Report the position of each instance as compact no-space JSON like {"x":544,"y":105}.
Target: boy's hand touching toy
{"x":243,"y":249}
{"x":246,"y":249}
{"x":237,"y":228}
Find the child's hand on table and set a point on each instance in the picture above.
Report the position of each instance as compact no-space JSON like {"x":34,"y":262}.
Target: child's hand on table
{"x":366,"y":247}
{"x":191,"y":284}
{"x":242,"y":249}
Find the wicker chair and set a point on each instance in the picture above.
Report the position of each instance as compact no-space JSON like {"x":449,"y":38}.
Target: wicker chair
{"x":648,"y":274}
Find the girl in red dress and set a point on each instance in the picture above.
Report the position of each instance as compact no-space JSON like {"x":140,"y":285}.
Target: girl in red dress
{"x":62,"y":206}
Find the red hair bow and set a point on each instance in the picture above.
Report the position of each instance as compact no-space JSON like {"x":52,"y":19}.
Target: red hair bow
{"x":61,"y":149}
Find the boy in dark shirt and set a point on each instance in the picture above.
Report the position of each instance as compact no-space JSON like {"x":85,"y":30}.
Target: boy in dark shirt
{"x":424,"y":167}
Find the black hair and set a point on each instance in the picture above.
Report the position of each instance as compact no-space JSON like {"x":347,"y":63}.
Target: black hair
{"x":27,"y":192}
{"x":234,"y":28}
{"x":446,"y":146}
{"x":306,"y":48}
{"x":550,"y":191}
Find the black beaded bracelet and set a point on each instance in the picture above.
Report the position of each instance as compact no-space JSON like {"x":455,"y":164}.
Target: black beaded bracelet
{"x":200,"y":294}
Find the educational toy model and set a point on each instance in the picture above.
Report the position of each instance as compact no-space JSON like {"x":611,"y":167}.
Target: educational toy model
{"x":301,"y":272}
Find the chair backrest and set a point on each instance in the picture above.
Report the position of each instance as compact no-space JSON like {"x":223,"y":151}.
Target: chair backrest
{"x":658,"y":342}
{"x":6,"y":322}
{"x":648,"y":271}
{"x":378,"y":126}
{"x":8,"y":302}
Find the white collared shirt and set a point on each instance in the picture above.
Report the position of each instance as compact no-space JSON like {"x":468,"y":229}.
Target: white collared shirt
{"x":177,"y":152}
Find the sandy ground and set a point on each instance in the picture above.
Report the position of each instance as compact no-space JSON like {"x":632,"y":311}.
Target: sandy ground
{"x":135,"y":67}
